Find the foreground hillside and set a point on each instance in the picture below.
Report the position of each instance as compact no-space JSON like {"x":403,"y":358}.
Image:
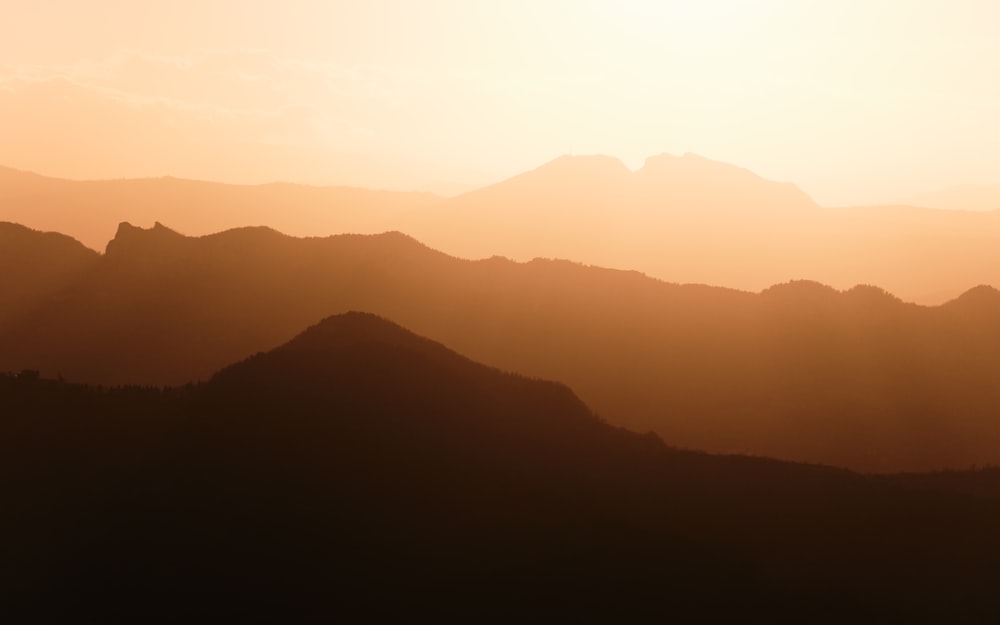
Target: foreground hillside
{"x":799,"y":371}
{"x":362,"y":472}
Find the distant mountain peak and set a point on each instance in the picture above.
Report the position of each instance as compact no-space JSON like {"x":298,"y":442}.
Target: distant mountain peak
{"x":126,"y":229}
{"x":354,"y":326}
{"x":982,"y":296}
{"x":801,"y":289}
{"x":982,"y":290}
{"x":811,"y":293}
{"x":870,"y":294}
{"x":129,"y":236}
{"x":584,"y":165}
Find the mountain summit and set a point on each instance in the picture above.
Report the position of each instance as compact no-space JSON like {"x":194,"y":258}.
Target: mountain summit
{"x":801,"y":371}
{"x":359,"y":469}
{"x":593,"y":209}
{"x":130,"y":237}
{"x":577,"y":166}
{"x":354,"y":355}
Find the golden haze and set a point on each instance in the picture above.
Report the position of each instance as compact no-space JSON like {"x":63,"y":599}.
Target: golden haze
{"x":857,"y":102}
{"x":637,"y":311}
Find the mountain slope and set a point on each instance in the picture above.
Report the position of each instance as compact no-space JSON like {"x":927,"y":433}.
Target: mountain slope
{"x":593,"y":209}
{"x":360,"y":471}
{"x":35,"y":266}
{"x":799,"y":371}
{"x":678,"y":218}
{"x":691,"y":219}
{"x":692,"y":183}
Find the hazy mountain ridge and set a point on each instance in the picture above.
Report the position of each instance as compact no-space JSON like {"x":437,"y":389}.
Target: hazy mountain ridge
{"x":684,"y":219}
{"x":800,"y":371}
{"x":360,"y":461}
{"x":668,"y":218}
{"x":90,"y":210}
{"x":694,"y":177}
{"x":691,"y":219}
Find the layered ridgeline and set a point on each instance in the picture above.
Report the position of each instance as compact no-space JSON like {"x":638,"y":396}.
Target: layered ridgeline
{"x":691,"y":219}
{"x":362,"y":472}
{"x":90,"y":211}
{"x":680,"y":219}
{"x":677,"y":218}
{"x":799,"y":371}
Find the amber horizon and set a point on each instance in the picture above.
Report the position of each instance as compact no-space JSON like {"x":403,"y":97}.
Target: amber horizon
{"x":467,"y":310}
{"x":682,"y":219}
{"x":754,"y":144}
{"x":967,"y":197}
{"x":857,"y":104}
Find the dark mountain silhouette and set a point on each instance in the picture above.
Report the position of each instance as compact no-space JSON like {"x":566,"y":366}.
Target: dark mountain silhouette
{"x":800,"y":371}
{"x":91,"y":210}
{"x":360,"y":472}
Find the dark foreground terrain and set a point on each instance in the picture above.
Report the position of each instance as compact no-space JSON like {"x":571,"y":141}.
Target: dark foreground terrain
{"x":360,"y":472}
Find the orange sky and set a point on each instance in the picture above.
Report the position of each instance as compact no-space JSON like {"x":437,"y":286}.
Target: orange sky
{"x":855,"y":101}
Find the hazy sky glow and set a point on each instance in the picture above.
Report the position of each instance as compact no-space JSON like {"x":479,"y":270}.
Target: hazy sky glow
{"x":855,"y":101}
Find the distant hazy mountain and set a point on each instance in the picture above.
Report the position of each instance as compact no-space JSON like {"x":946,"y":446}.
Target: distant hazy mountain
{"x":659,"y":219}
{"x":681,"y":219}
{"x":799,"y":371}
{"x":362,"y":473}
{"x":91,"y":210}
{"x":963,"y":197}
{"x":691,"y":219}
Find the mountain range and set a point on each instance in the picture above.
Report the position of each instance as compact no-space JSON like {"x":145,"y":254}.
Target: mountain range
{"x":593,"y":209}
{"x":678,"y":218}
{"x":691,"y":219}
{"x":360,"y":472}
{"x":800,"y":371}
{"x":90,"y":211}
